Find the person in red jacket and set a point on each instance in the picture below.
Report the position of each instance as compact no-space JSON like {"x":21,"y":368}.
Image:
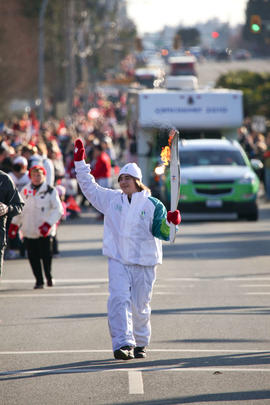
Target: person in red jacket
{"x":102,"y":168}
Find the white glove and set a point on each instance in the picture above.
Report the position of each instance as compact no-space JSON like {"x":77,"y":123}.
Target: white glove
{"x":3,"y":209}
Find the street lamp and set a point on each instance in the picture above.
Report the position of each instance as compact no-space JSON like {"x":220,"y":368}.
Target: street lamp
{"x":41,"y":59}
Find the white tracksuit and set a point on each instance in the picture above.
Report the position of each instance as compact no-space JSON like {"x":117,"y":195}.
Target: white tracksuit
{"x":41,"y":206}
{"x":132,"y":233}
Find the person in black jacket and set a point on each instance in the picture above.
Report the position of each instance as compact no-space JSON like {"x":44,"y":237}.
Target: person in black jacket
{"x":11,"y":204}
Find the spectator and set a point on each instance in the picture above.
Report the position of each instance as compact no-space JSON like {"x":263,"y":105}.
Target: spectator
{"x":102,"y":168}
{"x":30,"y":152}
{"x":11,"y":204}
{"x":61,"y":192}
{"x":42,"y":211}
{"x":5,"y":160}
{"x":267,"y":168}
{"x":46,"y":163}
{"x":19,"y":173}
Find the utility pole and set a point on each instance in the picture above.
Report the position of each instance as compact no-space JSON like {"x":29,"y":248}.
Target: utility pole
{"x":70,"y":55}
{"x":41,"y":60}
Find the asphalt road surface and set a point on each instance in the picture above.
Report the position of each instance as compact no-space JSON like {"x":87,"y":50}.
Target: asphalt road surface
{"x":210,"y":322}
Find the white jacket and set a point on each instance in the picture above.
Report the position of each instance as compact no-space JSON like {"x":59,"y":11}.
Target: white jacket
{"x":41,"y":206}
{"x":132,"y":231}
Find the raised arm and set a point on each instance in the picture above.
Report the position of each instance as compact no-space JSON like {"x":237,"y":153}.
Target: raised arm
{"x":98,"y":196}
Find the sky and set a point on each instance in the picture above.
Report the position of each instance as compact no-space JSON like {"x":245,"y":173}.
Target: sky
{"x":153,"y":15}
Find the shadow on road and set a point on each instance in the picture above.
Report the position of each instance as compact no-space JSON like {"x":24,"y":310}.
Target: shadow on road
{"x":227,"y":310}
{"x":234,"y":249}
{"x":217,"y":361}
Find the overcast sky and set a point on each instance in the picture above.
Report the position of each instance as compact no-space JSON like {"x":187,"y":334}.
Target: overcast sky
{"x":152,"y":15}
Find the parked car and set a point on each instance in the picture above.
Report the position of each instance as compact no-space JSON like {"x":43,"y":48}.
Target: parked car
{"x":216,"y":177}
{"x":242,"y":54}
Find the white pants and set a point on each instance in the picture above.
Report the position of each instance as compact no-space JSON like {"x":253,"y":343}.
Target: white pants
{"x":130,"y":289}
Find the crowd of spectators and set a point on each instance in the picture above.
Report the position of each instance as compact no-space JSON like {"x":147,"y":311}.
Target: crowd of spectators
{"x":257,"y":146}
{"x":24,"y":143}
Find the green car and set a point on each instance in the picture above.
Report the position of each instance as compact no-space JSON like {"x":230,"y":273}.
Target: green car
{"x":217,"y":176}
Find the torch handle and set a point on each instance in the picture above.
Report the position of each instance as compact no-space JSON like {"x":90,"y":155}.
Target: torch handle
{"x":175,"y":181}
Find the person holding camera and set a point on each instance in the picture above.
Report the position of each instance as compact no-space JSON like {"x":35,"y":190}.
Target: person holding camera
{"x":11,"y":204}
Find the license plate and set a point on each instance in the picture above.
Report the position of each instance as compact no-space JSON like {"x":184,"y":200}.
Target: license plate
{"x":214,"y":203}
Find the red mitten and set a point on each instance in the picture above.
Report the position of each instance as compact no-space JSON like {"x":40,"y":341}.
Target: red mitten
{"x":174,"y":217}
{"x":79,"y":151}
{"x":45,"y":229}
{"x":12,"y":231}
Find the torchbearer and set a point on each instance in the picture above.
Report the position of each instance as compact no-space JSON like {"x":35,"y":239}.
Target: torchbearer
{"x":134,"y":225}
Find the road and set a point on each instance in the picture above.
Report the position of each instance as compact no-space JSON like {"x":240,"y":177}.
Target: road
{"x":210,"y":322}
{"x":209,"y":71}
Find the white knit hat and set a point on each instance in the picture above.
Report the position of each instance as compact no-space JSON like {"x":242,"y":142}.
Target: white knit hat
{"x":132,"y":169}
{"x":20,"y":160}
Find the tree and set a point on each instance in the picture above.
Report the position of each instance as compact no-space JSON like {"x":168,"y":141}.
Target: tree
{"x":94,"y":39}
{"x":255,"y":87}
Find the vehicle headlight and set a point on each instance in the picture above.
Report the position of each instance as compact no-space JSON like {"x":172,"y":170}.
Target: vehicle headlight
{"x":248,"y":179}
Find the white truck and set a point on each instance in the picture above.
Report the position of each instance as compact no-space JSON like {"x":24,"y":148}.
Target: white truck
{"x":195,"y":113}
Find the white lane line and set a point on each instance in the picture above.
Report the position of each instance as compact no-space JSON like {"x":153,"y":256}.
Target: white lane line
{"x":257,"y":293}
{"x":71,"y":287}
{"x":95,"y":280}
{"x":182,"y":279}
{"x":105,"y":280}
{"x":135,"y":382}
{"x":254,"y":285}
{"x":61,"y":280}
{"x":169,"y":286}
{"x":224,"y":369}
{"x":33,"y":295}
{"x":38,"y":295}
{"x":251,"y":351}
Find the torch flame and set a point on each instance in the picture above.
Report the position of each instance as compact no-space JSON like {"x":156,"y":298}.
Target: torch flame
{"x":166,"y":150}
{"x":165,"y":155}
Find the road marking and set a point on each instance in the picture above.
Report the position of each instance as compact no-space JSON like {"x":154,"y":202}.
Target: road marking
{"x":71,"y":287}
{"x":135,"y":382}
{"x":224,"y":369}
{"x":170,"y":286}
{"x":181,"y":279}
{"x":33,"y":295}
{"x":44,"y":295}
{"x":251,"y":351}
{"x":257,"y":293}
{"x":60,"y":280}
{"x":95,"y":280}
{"x":254,"y":285}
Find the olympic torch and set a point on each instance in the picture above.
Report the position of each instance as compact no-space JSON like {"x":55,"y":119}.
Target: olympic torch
{"x":174,"y":177}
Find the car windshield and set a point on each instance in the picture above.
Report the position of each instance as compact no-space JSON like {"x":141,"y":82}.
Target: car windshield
{"x":210,"y":157}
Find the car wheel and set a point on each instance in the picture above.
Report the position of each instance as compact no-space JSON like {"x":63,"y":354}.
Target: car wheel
{"x":252,"y":216}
